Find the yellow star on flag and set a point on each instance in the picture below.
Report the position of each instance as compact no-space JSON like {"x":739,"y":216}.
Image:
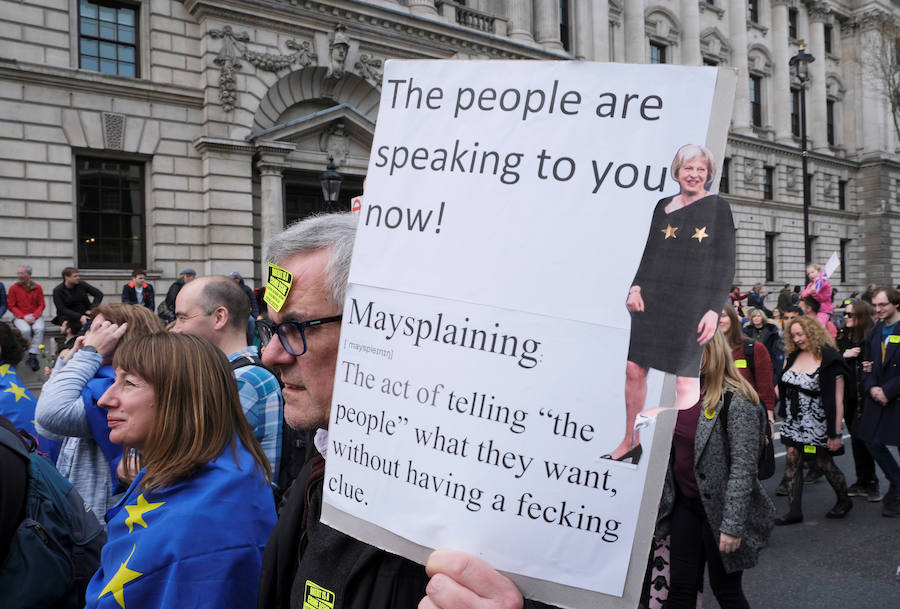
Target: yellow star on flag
{"x":19,"y":392}
{"x":669,"y":231}
{"x":4,"y":370}
{"x":700,"y":234}
{"x":136,"y":512}
{"x":116,"y":585}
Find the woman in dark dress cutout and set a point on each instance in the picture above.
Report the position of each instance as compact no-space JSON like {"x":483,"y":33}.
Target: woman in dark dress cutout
{"x":678,"y":290}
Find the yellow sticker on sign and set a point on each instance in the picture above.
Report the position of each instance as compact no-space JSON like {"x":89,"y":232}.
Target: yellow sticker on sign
{"x":317,"y":597}
{"x":277,"y":286}
{"x":740,"y":363}
{"x":809,"y":449}
{"x":894,"y":338}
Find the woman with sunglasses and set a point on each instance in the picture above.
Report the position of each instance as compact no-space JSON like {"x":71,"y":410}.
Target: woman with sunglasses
{"x":857,"y":323}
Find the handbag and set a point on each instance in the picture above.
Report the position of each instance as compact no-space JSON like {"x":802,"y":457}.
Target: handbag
{"x":766,"y":462}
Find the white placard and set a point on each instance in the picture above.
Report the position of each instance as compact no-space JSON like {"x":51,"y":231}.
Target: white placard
{"x":481,"y":370}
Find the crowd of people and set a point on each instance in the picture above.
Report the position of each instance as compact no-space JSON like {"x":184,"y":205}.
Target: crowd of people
{"x":155,"y":413}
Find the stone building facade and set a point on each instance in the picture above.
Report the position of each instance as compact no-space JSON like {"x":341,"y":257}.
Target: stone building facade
{"x":163,"y":134}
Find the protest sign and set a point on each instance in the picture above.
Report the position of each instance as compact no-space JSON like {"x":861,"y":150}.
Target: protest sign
{"x":482,"y":362}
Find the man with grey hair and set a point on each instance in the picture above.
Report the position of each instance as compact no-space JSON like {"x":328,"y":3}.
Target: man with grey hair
{"x":26,"y":303}
{"x":304,"y":558}
{"x":215,"y":308}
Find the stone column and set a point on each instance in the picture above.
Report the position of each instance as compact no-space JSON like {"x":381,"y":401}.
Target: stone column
{"x":271,"y":163}
{"x":583,"y":45}
{"x":816,"y":95}
{"x":519,"y":21}
{"x":781,"y":79}
{"x":227,"y":195}
{"x":737,"y":32}
{"x":546,"y":24}
{"x":635,"y":32}
{"x":690,"y":33}
{"x":423,"y":7}
{"x":600,"y":17}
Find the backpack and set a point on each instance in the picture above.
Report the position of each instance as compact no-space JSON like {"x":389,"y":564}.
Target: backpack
{"x":294,"y":443}
{"x":766,"y":463}
{"x":56,"y":549}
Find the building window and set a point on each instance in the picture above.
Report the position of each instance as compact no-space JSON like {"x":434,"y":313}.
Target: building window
{"x":753,"y":11}
{"x":724,"y":184}
{"x":303,"y":195}
{"x":770,"y":257}
{"x":107,"y":37}
{"x":843,"y":255}
{"x":829,"y":121}
{"x":657,"y":52}
{"x":768,"y":183}
{"x":756,"y":100}
{"x":709,"y":61}
{"x":564,"y":25}
{"x":829,"y":32}
{"x":795,"y":111}
{"x":842,"y":195}
{"x":110,"y":196}
{"x":792,"y":23}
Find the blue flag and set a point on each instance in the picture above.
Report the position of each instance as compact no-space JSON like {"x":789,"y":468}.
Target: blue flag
{"x":17,"y":404}
{"x":197,"y":543}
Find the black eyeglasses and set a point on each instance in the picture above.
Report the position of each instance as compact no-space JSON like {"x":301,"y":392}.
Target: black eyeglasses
{"x":292,"y":334}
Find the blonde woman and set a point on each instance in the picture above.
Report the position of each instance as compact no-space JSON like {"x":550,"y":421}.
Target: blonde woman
{"x":812,"y":404}
{"x":713,"y":506}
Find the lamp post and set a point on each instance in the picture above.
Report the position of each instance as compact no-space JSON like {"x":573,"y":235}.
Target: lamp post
{"x":331,"y":182}
{"x":799,"y":64}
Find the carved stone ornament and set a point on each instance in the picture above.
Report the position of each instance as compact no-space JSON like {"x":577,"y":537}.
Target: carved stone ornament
{"x":335,"y":142}
{"x":750,"y":171}
{"x":234,"y":49}
{"x":113,"y":130}
{"x":337,"y":53}
{"x":370,"y":68}
{"x":791,"y":178}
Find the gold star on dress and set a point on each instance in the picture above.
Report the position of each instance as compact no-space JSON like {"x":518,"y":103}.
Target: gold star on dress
{"x":669,"y":231}
{"x":4,"y":370}
{"x":19,"y":392}
{"x":116,"y":586}
{"x":136,"y":512}
{"x":700,"y":234}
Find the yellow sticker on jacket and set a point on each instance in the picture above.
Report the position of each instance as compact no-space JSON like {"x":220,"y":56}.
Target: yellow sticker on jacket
{"x":277,"y":286}
{"x":894,"y":338}
{"x":317,"y":597}
{"x":740,"y":363}
{"x":809,"y":449}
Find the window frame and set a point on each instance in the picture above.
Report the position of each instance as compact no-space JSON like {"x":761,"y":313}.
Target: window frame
{"x":724,"y":176}
{"x":756,"y":100}
{"x":793,"y":16}
{"x":79,"y":192}
{"x":769,"y":255}
{"x":141,"y":36}
{"x":662,"y":48}
{"x":565,"y":25}
{"x":753,"y":11}
{"x":768,"y":180}
{"x":842,"y":195}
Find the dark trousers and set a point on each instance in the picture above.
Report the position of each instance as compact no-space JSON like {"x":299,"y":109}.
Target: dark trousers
{"x":862,"y":458}
{"x":694,"y":545}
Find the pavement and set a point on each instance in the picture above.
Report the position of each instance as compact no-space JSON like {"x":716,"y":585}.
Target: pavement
{"x":826,"y":564}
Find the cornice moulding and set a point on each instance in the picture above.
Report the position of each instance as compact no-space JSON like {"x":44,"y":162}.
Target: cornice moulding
{"x":384,"y":27}
{"x":94,"y":82}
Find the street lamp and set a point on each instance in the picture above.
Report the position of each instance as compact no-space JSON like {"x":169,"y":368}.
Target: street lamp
{"x":331,"y":182}
{"x":799,"y":64}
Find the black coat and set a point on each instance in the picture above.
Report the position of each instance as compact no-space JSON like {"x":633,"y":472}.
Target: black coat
{"x":360,"y":576}
{"x":879,"y":417}
{"x":129,"y":295}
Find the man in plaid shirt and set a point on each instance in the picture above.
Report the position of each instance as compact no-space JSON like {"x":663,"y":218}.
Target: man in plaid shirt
{"x":215,"y":308}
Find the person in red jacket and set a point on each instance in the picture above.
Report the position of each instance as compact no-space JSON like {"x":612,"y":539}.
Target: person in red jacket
{"x":26,"y":302}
